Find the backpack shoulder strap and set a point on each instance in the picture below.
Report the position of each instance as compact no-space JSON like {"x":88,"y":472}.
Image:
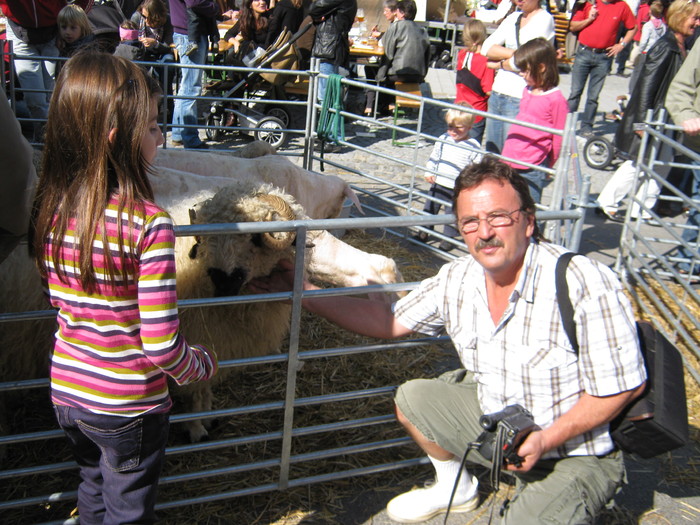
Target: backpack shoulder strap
{"x":517,"y":29}
{"x":566,"y":309}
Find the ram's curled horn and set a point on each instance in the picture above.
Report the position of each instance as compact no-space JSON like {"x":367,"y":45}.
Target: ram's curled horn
{"x":277,"y":240}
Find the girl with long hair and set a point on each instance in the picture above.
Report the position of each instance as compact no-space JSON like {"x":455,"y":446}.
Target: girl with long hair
{"x":105,"y":252}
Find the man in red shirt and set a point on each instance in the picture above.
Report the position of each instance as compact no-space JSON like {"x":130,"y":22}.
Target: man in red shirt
{"x":597,"y":25}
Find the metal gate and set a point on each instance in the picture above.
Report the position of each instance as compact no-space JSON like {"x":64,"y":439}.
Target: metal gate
{"x":280,"y":456}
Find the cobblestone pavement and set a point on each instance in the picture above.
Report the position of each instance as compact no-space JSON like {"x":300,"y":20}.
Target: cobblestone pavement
{"x":649,"y":498}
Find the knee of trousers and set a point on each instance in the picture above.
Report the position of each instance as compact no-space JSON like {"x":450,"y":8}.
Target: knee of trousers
{"x":444,"y":412}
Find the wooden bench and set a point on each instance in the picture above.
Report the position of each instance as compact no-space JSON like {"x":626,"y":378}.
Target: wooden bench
{"x":411,"y":88}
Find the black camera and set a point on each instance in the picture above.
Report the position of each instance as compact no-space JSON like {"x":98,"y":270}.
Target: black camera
{"x":503,"y":433}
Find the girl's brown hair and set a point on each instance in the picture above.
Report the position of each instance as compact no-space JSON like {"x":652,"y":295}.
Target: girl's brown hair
{"x":74,"y":15}
{"x":532,"y":55}
{"x":473,"y":33}
{"x":83,"y":166}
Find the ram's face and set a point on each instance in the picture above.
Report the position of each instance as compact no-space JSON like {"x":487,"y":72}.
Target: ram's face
{"x":232,"y":260}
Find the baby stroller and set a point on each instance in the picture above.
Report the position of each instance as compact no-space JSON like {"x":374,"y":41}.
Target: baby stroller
{"x":599,"y":152}
{"x":270,"y":120}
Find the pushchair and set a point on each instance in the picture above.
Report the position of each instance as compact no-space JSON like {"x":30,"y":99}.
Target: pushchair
{"x":599,"y":152}
{"x":267,"y":122}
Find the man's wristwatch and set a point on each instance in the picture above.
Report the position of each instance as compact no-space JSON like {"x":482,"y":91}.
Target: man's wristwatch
{"x":623,"y":43}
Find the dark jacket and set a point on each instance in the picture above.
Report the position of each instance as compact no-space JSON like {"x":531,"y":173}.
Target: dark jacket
{"x":178,"y":12}
{"x":659,"y":66}
{"x":333,"y":19}
{"x":284,"y":16}
{"x":259,"y":38}
{"x":106,"y":15}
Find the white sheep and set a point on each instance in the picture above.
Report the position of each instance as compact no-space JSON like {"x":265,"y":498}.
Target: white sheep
{"x":321,"y":196}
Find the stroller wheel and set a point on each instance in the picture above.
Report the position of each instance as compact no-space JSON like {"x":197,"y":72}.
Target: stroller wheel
{"x":214,"y":131}
{"x":272,"y":132}
{"x":598,"y":152}
{"x":280,"y":113}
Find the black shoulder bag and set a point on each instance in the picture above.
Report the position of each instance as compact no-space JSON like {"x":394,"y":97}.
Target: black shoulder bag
{"x":657,"y":421}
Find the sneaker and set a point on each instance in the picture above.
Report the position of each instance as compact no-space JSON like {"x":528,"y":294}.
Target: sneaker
{"x":191,"y":48}
{"x":420,"y":505}
{"x":446,"y":246}
{"x":586,"y":133}
{"x":610,"y":214}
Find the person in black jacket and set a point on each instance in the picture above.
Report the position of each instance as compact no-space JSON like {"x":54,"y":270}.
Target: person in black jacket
{"x":658,"y":67}
{"x":287,"y":14}
{"x":333,"y":19}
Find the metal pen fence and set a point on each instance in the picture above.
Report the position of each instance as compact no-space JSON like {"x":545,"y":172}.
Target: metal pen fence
{"x":393,"y":207}
{"x":652,"y":249}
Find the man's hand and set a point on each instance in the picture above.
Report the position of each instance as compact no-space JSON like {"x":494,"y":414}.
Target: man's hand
{"x":615,"y":49}
{"x":593,"y":13}
{"x":531,"y":450}
{"x":691,"y":126}
{"x":430,"y":178}
{"x":280,"y":280}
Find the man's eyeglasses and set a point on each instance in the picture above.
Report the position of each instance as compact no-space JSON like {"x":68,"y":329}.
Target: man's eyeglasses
{"x":496,"y":220}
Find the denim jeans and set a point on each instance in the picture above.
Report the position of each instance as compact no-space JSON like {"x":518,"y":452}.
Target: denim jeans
{"x":497,"y":130}
{"x":35,"y":75}
{"x":120,"y":461}
{"x":327,"y":69}
{"x":593,"y":67}
{"x":185,"y":110}
{"x":535,"y":181}
{"x":691,"y":235}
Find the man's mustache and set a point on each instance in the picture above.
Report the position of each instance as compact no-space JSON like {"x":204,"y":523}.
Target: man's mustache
{"x":493,"y":242}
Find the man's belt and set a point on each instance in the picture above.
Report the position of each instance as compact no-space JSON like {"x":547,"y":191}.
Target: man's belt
{"x":596,"y":50}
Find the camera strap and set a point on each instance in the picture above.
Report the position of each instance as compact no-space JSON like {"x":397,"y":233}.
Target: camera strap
{"x":470,"y":446}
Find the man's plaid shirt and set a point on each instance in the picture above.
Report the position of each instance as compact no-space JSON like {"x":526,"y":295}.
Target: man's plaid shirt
{"x":526,"y":357}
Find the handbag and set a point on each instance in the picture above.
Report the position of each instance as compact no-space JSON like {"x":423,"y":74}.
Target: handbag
{"x":656,"y":421}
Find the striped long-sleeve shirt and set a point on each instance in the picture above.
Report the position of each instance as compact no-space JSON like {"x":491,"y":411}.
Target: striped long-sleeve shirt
{"x":449,"y":158}
{"x":114,"y":347}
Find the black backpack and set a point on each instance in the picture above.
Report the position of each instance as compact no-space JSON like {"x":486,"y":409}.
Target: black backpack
{"x":657,"y":421}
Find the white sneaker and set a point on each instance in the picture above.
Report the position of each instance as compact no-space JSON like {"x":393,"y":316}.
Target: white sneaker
{"x":420,"y":505}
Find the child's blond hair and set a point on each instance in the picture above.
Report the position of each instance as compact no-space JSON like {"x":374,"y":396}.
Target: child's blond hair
{"x":473,"y":34}
{"x":457,"y":117}
{"x":74,"y":15}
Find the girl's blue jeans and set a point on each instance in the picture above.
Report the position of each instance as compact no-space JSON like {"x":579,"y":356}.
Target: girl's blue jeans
{"x":120,"y":460}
